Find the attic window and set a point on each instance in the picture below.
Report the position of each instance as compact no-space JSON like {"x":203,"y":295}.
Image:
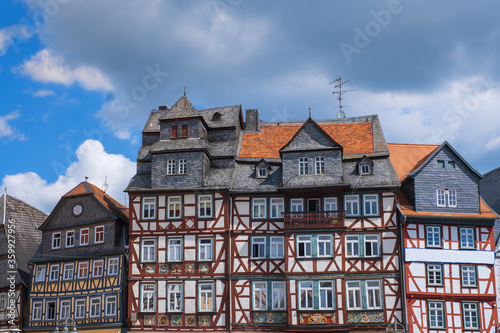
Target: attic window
{"x":216,"y":116}
{"x":365,"y":169}
{"x":184,"y":132}
{"x":262,"y":171}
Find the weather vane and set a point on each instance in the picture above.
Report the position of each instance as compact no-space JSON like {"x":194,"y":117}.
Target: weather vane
{"x":340,"y":113}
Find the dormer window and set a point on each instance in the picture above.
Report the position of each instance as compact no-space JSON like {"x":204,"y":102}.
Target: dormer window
{"x":262,"y":172}
{"x":216,"y":116}
{"x":262,"y":169}
{"x":184,"y":132}
{"x":365,"y":170}
{"x":365,"y":166}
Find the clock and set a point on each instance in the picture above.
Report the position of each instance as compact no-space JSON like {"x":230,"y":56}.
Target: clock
{"x":77,"y":210}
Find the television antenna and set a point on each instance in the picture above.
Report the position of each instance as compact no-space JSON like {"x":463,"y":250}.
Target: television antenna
{"x":340,"y":113}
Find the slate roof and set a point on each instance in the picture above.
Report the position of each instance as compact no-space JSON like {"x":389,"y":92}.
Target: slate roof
{"x":489,"y":187}
{"x":27,"y":237}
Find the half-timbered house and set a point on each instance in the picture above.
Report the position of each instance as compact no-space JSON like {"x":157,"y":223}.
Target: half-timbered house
{"x":447,"y":239}
{"x":79,"y":272}
{"x":19,"y":240}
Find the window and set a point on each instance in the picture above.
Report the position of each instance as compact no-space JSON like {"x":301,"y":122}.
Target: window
{"x":363,"y":245}
{"x":316,"y":295}
{"x":98,"y":268}
{"x":54,"y":273}
{"x":452,"y":198}
{"x":436,"y":314}
{"x":258,"y":208}
{"x":258,"y":247}
{"x":365,"y":169}
{"x":325,"y":245}
{"x":110,"y":306}
{"x":330,"y":204}
{"x":69,"y":271}
{"x":174,"y":131}
{"x":304,"y":246}
{"x":171,"y":167}
{"x":371,"y":290}
{"x":262,"y":172}
{"x":113,"y":266}
{"x":182,"y":166}
{"x":277,"y":208}
{"x":303,"y":166}
{"x":70,"y":238}
{"x":351,"y":204}
{"x":174,"y":249}
{"x":83,"y":270}
{"x":434,"y":275}
{"x":440,"y":164}
{"x":325,"y":295}
{"x":206,"y":296}
{"x":148,"y":301}
{"x":297,"y":205}
{"x":56,"y":240}
{"x":306,"y":295}
{"x":3,"y":301}
{"x":470,"y":315}
{"x":184,"y":131}
{"x":260,"y":295}
{"x":40,"y":274}
{"x":99,"y":234}
{"x":174,"y":297}
{"x":353,"y":295}
{"x":372,"y":245}
{"x":446,"y":198}
{"x":314,"y":246}
{"x":148,"y":250}
{"x":277,"y":247}
{"x":319,"y":165}
{"x":37,"y":311}
{"x":174,"y":207}
{"x":84,"y":236}
{"x":205,"y":249}
{"x":468,"y":276}
{"x":95,"y":307}
{"x":148,"y":208}
{"x":80,"y":308}
{"x":352,"y":243}
{"x":432,"y":236}
{"x":278,"y":295}
{"x":204,"y":206}
{"x":50,"y":313}
{"x":450,"y":165}
{"x":370,"y":204}
{"x":65,"y":311}
{"x":467,"y":239}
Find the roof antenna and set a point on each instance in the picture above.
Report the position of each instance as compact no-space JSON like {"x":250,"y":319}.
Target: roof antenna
{"x":105,"y":186}
{"x":86,"y":178}
{"x":340,"y":113}
{"x":309,"y":112}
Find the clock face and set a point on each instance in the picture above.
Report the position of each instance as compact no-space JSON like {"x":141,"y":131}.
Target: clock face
{"x":77,"y":210}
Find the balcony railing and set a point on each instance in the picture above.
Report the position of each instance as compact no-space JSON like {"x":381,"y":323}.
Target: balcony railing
{"x":305,"y":220}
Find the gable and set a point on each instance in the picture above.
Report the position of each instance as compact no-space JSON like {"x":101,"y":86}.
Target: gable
{"x":310,"y":137}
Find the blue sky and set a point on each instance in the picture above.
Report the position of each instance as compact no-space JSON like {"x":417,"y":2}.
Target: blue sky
{"x":79,"y":78}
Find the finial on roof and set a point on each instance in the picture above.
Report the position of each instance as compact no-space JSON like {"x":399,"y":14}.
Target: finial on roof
{"x":309,"y":112}
{"x":86,"y":178}
{"x":185,"y":91}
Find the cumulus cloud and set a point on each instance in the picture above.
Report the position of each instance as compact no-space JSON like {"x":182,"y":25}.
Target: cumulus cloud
{"x":92,"y":161}
{"x":4,"y":41}
{"x":49,"y":68}
{"x":7,"y":131}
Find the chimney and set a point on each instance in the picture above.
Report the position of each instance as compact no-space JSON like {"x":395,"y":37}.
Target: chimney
{"x":252,"y":120}
{"x":162,"y":107}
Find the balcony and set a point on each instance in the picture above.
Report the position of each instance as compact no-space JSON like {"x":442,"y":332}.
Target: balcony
{"x":308,"y":220}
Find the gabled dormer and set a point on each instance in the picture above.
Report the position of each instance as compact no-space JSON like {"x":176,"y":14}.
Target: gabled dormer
{"x":365,"y":166}
{"x":262,"y":169}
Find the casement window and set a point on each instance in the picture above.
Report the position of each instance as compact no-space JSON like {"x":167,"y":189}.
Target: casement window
{"x":84,"y":236}
{"x":434,"y":274}
{"x":174,"y":132}
{"x":325,"y":245}
{"x":95,"y":307}
{"x":182,"y":166}
{"x":205,"y":205}
{"x":260,"y":295}
{"x":374,"y":294}
{"x":83,"y":270}
{"x":325,"y":289}
{"x":148,"y":208}
{"x":470,"y":315}
{"x":363,"y":245}
{"x":258,"y":247}
{"x":99,"y":234}
{"x":50,"y":312}
{"x":467,"y":239}
{"x":445,"y":164}
{"x":205,"y":249}
{"x":278,"y":294}
{"x":365,"y":169}
{"x":98,"y":268}
{"x":303,"y":166}
{"x":440,"y":164}
{"x":148,"y":297}
{"x":450,"y":165}
{"x":148,"y":250}
{"x":319,"y":165}
{"x":351,"y":203}
{"x":206,"y":296}
{"x":364,"y":294}
{"x":297,"y":205}
{"x":113,"y":266}
{"x":433,"y":236}
{"x":56,"y":240}
{"x":174,"y":207}
{"x":370,"y":202}
{"x":262,"y":172}
{"x":304,"y":246}
{"x":80,"y":308}
{"x":40,"y":273}
{"x":446,"y":198}
{"x":353,"y":295}
{"x":316,"y":295}
{"x":170,"y":167}
{"x":259,"y":208}
{"x":277,"y":247}
{"x":330,"y":204}
{"x":54,"y":272}
{"x":314,"y":246}
{"x":65,"y":309}
{"x":468,"y":275}
{"x":277,"y":208}
{"x":261,"y":250}
{"x":184,"y":132}
{"x":306,"y":295}
{"x":37,"y":311}
{"x":174,"y":297}
{"x":69,"y":271}
{"x":435,"y":315}
{"x":174,"y":249}
{"x":110,"y":306}
{"x":70,"y":238}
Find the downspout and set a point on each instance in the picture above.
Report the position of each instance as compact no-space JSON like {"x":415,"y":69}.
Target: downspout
{"x":229,"y":266}
{"x":403,"y":274}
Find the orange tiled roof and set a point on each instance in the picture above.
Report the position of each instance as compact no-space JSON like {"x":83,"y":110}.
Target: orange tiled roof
{"x":407,"y":157}
{"x":355,"y":138}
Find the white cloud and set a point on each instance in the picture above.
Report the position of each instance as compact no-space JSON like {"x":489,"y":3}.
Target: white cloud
{"x":92,"y":161}
{"x":43,"y":93}
{"x":4,"y":41}
{"x":48,"y":68}
{"x":7,"y":130}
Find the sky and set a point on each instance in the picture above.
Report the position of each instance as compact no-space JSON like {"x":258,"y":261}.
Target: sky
{"x":79,"y":77}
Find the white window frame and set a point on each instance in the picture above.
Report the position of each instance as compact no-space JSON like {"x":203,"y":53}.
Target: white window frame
{"x":452,"y":198}
{"x":446,"y":197}
{"x":182,"y":166}
{"x":373,"y":294}
{"x":110,"y":305}
{"x":95,"y":307}
{"x":206,"y":296}
{"x":306,"y":287}
{"x":277,"y":247}
{"x":70,"y":238}
{"x":371,"y":204}
{"x":354,"y":300}
{"x":176,"y":296}
{"x":303,"y":165}
{"x":351,"y":205}
{"x":50,"y":315}
{"x":468,"y":276}
{"x":435,"y":310}
{"x":98,"y":267}
{"x":65,"y":309}
{"x":205,"y":205}
{"x":278,"y":293}
{"x":148,"y":208}
{"x":353,"y":245}
{"x":297,"y":205}
{"x":99,"y":234}
{"x":84,"y":236}
{"x":470,"y":315}
{"x":324,"y":245}
{"x":171,"y":167}
{"x":80,"y":267}
{"x":205,"y":249}
{"x":40,"y":273}
{"x":56,"y":240}
{"x":37,"y":311}
{"x":374,"y":244}
{"x":148,"y":251}
{"x":258,"y":244}
{"x":148,"y":297}
{"x":434,"y":274}
{"x":365,"y":169}
{"x":306,"y":242}
{"x":174,"y":249}
{"x":259,"y":206}
{"x":319,"y":165}
{"x":68,"y":271}
{"x":469,"y":234}
{"x":259,"y":295}
{"x":325,"y":292}
{"x":54,"y":272}
{"x":433,"y":230}
{"x":174,"y":202}
{"x":262,"y":172}
{"x":277,"y":207}
{"x":330,"y":204}
{"x":113,"y":266}
{"x":80,"y":308}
